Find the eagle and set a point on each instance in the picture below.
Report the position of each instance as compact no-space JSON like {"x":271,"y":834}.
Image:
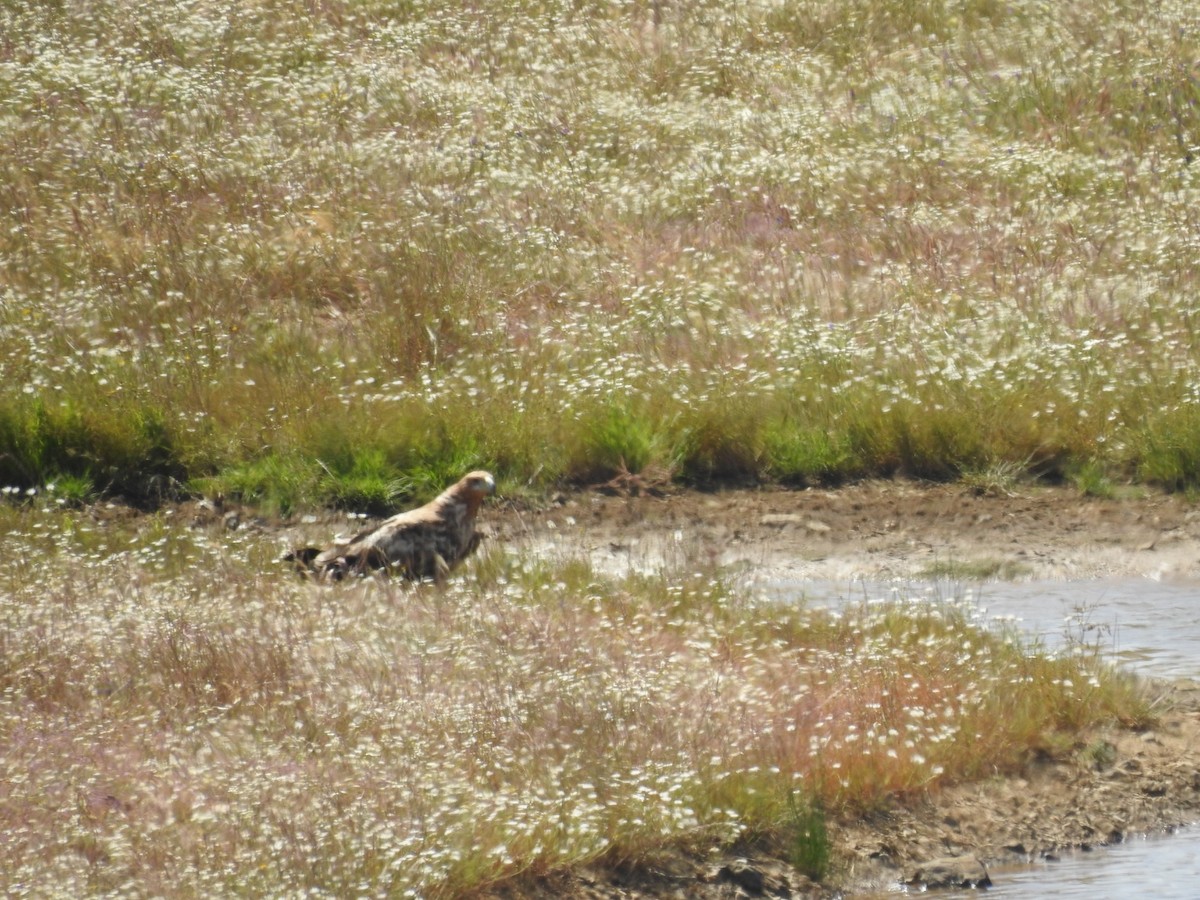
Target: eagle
{"x":422,"y":543}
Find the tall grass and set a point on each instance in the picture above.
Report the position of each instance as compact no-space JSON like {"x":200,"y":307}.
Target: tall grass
{"x":178,"y":718}
{"x":785,"y":240}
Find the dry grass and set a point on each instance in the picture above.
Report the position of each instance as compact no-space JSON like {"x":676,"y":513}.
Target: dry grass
{"x":176,"y":722}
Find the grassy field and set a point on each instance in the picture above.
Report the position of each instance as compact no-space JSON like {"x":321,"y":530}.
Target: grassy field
{"x":179,"y":717}
{"x":337,"y":253}
{"x":333,"y":253}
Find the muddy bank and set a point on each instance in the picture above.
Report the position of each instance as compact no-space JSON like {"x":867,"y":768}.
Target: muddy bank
{"x":873,"y":530}
{"x":1113,"y":784}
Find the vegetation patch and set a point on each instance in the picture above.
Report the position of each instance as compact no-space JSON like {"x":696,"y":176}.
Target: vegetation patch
{"x":975,"y":570}
{"x":533,"y":715}
{"x":760,"y":242}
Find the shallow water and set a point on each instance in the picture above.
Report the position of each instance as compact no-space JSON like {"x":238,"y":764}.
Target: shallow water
{"x":1151,"y":627}
{"x":1165,"y":868}
{"x":1148,"y":626}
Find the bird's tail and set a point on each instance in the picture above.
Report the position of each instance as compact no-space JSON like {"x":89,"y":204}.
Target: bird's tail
{"x":301,"y":557}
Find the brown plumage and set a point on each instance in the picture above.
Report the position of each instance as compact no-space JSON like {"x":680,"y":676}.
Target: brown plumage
{"x":422,"y":543}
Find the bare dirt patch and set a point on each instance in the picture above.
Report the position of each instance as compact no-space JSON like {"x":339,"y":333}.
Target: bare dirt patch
{"x":873,"y":530}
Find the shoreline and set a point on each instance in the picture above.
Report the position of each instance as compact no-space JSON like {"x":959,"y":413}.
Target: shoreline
{"x":877,"y":530}
{"x":1116,"y":785}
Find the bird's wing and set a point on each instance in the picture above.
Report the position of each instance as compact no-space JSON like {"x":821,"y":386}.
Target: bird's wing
{"x":385,"y":536}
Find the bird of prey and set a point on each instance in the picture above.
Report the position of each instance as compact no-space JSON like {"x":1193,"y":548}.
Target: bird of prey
{"x":427,"y":542}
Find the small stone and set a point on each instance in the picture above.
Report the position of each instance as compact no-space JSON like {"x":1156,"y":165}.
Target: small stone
{"x":1155,"y":788}
{"x":950,"y":872}
{"x":779,"y":520}
{"x":744,"y":875}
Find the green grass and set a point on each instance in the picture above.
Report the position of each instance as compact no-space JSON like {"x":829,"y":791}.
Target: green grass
{"x":975,"y":570}
{"x":1091,"y":480}
{"x":276,"y":483}
{"x":805,"y":830}
{"x":789,"y":242}
{"x":802,"y":455}
{"x":115,"y":447}
{"x":621,"y":440}
{"x":72,"y":490}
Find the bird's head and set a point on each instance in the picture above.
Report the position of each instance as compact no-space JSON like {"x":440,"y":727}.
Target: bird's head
{"x":476,"y":486}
